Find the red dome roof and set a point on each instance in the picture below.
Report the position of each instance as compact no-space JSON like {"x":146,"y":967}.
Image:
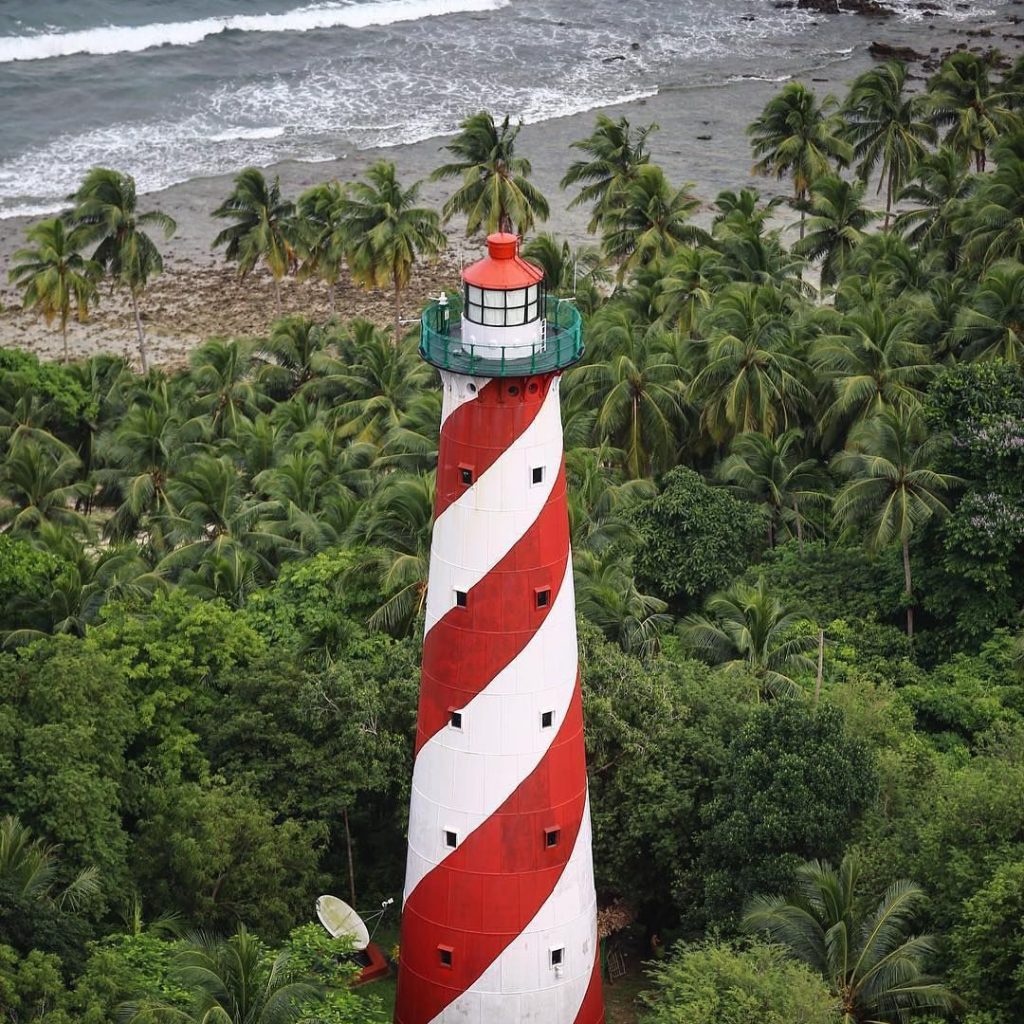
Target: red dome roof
{"x":502,"y":269}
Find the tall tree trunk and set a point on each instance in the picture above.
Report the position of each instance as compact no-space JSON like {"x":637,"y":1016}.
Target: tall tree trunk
{"x":888,"y":197}
{"x":351,"y":868}
{"x":64,"y":335}
{"x":331,"y":289}
{"x":821,"y":666}
{"x":277,"y":297}
{"x":799,"y":526}
{"x":138,"y":330}
{"x":908,"y":587}
{"x":398,"y":315}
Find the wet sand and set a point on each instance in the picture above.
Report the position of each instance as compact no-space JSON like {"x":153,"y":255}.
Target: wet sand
{"x":701,"y":140}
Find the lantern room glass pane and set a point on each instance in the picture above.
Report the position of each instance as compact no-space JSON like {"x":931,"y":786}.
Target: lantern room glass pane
{"x":496,"y":300}
{"x":533,"y":292}
{"x":516,"y":297}
{"x":531,"y":312}
{"x":494,"y":317}
{"x":474,"y":294}
{"x":475,"y":313}
{"x":515,"y":316}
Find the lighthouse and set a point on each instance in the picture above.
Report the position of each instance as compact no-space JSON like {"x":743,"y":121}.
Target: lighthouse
{"x":499,"y":920}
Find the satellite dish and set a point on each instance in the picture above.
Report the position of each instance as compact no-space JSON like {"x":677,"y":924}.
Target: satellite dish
{"x":340,"y":919}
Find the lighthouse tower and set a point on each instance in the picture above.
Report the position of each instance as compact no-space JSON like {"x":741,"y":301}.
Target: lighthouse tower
{"x":499,"y":921}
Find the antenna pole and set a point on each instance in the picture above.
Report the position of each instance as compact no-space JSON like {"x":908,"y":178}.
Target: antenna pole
{"x":351,"y":868}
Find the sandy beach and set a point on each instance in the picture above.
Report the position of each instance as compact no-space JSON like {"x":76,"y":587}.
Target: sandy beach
{"x":701,"y":140}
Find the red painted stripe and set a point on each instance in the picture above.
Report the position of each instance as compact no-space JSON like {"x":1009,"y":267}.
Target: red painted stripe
{"x":492,"y":885}
{"x":592,"y":1007}
{"x":467,"y":647}
{"x":477,"y":432}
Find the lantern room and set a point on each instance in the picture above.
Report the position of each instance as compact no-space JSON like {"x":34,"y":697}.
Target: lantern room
{"x":504,"y":324}
{"x":503,"y":299}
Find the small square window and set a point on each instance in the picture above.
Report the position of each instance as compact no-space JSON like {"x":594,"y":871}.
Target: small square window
{"x":558,"y":956}
{"x":445,"y":954}
{"x":461,"y":598}
{"x":451,"y":839}
{"x":466,"y":475}
{"x":543,"y":597}
{"x":552,"y":836}
{"x":537,"y":474}
{"x":547,"y":719}
{"x":455,"y":719}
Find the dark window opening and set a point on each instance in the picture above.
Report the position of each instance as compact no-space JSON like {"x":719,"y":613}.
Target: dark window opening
{"x":451,"y":839}
{"x":466,"y":475}
{"x":551,"y":837}
{"x":557,"y":957}
{"x":543,"y":597}
{"x":445,"y":955}
{"x":538,"y":474}
{"x":547,"y":719}
{"x":461,"y":598}
{"x":456,"y":720}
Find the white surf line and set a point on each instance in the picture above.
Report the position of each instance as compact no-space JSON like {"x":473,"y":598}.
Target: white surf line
{"x":462,"y":776}
{"x":105,"y":40}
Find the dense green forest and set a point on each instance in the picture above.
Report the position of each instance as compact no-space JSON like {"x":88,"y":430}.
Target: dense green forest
{"x":798,"y":537}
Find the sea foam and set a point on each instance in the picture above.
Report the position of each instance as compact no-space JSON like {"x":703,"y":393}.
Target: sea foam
{"x":110,"y":39}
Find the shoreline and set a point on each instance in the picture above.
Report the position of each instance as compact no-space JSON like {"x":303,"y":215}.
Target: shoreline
{"x":701,"y":140}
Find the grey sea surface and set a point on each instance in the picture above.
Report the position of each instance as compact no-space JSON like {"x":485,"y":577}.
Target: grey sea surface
{"x":174,"y":91}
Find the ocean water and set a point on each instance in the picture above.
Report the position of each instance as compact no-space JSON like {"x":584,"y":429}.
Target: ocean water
{"x":170,"y":90}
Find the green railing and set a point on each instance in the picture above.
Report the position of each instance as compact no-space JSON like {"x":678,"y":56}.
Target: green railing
{"x":441,"y":343}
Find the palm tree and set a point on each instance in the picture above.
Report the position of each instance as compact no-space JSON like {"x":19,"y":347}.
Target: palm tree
{"x":990,"y":324}
{"x":746,"y":628}
{"x":616,"y":150}
{"x":579,"y":273}
{"x":324,"y":239}
{"x":794,"y":135}
{"x":873,"y":361}
{"x":607,"y":595}
{"x":993,"y":219}
{"x":634,"y":381}
{"x":265,"y":229}
{"x":39,"y":480}
{"x":769,"y":471}
{"x":963,"y":100}
{"x":647,"y":219}
{"x":837,"y":224}
{"x":54,"y":276}
{"x":751,"y":372}
{"x":105,"y":210}
{"x":600,"y":497}
{"x":894,"y":488}
{"x":290,"y":352}
{"x":872,"y":961}
{"x":387,"y":232}
{"x":394,"y":526}
{"x":886,"y":128}
{"x":687,"y":284}
{"x":372,"y":383}
{"x":748,"y":251}
{"x":940,"y":186}
{"x":495,"y":194}
{"x":224,"y":377}
{"x":232,"y":981}
{"x":140,"y":453}
{"x":29,"y":868}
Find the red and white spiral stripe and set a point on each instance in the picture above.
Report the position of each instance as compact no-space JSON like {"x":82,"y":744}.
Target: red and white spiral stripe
{"x":486,"y":922}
